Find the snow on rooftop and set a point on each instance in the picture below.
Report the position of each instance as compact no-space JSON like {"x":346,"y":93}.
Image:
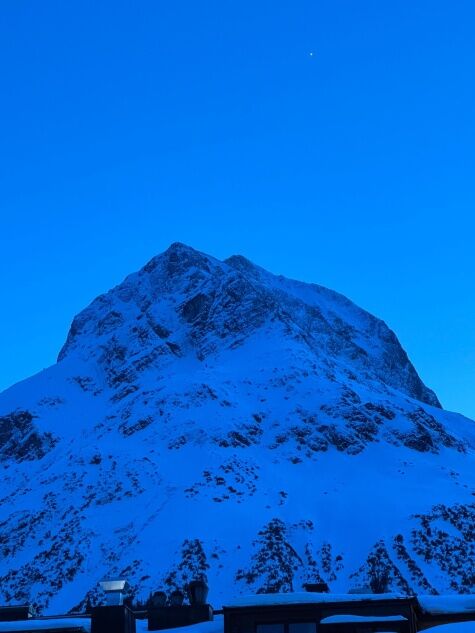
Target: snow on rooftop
{"x":457,"y":627}
{"x":47,"y":624}
{"x":448,"y":604}
{"x":307,"y":597}
{"x":341,"y":619}
{"x":214,"y":626}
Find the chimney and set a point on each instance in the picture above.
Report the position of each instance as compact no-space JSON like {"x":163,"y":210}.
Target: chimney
{"x":176,"y":614}
{"x":114,"y":589}
{"x":115,"y":616}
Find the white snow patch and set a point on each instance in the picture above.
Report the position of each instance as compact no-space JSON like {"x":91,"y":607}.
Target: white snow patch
{"x":340,"y":619}
{"x":448,"y":604}
{"x":265,"y":599}
{"x":47,"y":624}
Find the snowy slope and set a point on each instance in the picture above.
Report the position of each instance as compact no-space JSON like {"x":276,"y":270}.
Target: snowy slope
{"x":208,"y":417}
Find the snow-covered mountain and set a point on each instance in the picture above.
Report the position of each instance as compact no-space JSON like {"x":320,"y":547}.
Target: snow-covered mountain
{"x":208,"y":417}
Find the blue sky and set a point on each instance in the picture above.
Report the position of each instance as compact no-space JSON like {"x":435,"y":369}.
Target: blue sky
{"x":125,"y":126}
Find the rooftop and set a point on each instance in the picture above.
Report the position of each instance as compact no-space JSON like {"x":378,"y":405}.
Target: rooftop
{"x":341,"y":619}
{"x":271,"y":599}
{"x":433,"y":605}
{"x":448,"y":604}
{"x":84,"y":625}
{"x":49,"y":624}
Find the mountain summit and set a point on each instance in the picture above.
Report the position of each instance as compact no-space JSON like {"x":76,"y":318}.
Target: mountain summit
{"x":204,"y":306}
{"x":210,"y":418}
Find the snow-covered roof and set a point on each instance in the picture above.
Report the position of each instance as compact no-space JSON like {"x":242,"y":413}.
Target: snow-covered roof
{"x":341,"y":619}
{"x":448,"y":604}
{"x":214,"y":626}
{"x":457,"y":627}
{"x":269,"y":599}
{"x":47,"y":624}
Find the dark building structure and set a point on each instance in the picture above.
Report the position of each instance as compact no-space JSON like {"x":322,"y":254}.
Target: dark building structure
{"x":265,"y":613}
{"x":171,"y":617}
{"x":346,"y":613}
{"x":437,"y":610}
{"x":112,"y":619}
{"x":15,"y":613}
{"x":312,"y":612}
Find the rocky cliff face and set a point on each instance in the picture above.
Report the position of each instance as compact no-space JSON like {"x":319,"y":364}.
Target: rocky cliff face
{"x":208,"y":417}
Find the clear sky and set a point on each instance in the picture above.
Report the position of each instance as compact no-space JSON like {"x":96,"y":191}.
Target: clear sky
{"x":331,"y":141}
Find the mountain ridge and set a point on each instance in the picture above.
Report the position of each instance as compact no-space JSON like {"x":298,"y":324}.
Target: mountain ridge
{"x":179,"y":253}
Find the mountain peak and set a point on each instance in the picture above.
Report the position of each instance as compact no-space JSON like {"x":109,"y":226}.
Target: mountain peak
{"x":240,"y":262}
{"x":177,"y":257}
{"x":211,"y":305}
